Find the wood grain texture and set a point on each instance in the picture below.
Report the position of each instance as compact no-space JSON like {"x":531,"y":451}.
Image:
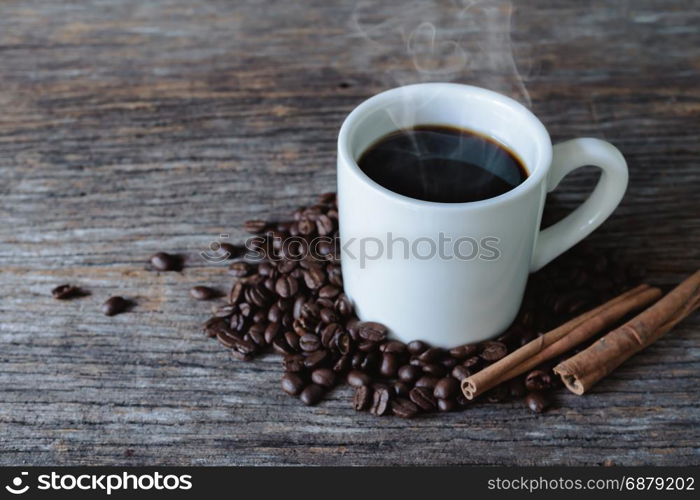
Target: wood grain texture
{"x":129,"y":127}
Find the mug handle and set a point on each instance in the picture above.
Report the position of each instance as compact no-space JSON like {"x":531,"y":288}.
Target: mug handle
{"x":567,"y":157}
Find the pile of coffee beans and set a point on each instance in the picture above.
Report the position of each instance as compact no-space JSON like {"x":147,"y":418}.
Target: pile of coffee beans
{"x":296,"y":307}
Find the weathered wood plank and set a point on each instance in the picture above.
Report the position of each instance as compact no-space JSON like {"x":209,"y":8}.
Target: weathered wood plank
{"x":130,"y":127}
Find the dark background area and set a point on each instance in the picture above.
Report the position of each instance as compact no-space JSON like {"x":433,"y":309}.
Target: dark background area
{"x":129,"y":127}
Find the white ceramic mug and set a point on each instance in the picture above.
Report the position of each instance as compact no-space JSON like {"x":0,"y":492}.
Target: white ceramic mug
{"x":474,"y":293}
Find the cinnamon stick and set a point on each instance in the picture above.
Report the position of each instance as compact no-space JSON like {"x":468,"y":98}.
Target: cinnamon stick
{"x":559,"y":340}
{"x":585,"y":369}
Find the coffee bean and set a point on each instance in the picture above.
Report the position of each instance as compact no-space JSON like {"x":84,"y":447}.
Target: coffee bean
{"x":434,"y":369}
{"x":381,"y":400}
{"x":115,"y":305}
{"x":162,"y":261}
{"x":363,"y":398}
{"x":315,"y":359}
{"x":404,"y":408}
{"x":449,"y":362}
{"x":323,"y":377}
{"x":314,"y":278}
{"x":240,"y":269}
{"x":357,"y":378}
{"x":203,"y":293}
{"x":431,"y":355}
{"x":538,"y":380}
{"x":371,"y":361}
{"x":286,"y":286}
{"x":65,"y":292}
{"x":460,"y":372}
{"x":401,"y":389}
{"x":293,"y":363}
{"x":427,"y":381}
{"x":232,"y":251}
{"x":309,"y":342}
{"x":464,"y":351}
{"x":329,"y":292}
{"x":493,"y":351}
{"x":416,"y":347}
{"x":292,"y":340}
{"x":372,"y":331}
{"x":215,"y":325}
{"x":536,"y":402}
{"x":255,"y":226}
{"x":292,"y":383}
{"x":446,"y":388}
{"x":393,"y":346}
{"x":236,"y":295}
{"x":312,"y":394}
{"x":409,"y":373}
{"x":445,"y":405}
{"x":342,"y":364}
{"x":423,"y":397}
{"x":389,"y":365}
{"x":472,"y":363}
{"x":343,"y":305}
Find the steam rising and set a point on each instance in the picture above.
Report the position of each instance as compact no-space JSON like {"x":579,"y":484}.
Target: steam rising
{"x":465,"y":41}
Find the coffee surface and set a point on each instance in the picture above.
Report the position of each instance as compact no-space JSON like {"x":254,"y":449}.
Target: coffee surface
{"x":442,"y":164}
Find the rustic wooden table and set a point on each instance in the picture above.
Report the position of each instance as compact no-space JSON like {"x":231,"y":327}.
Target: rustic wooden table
{"x":129,"y":127}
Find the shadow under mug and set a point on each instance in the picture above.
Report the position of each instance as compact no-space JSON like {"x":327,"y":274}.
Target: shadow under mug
{"x":455,"y":273}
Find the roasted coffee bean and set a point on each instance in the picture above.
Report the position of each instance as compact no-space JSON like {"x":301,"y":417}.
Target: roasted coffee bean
{"x":314,"y":278}
{"x":115,"y":305}
{"x":335,"y":277}
{"x":293,"y":363}
{"x":464,"y":351}
{"x":274,"y":314}
{"x":401,"y":389}
{"x":324,"y":225}
{"x":292,"y":383}
{"x":312,"y":394}
{"x":404,"y":408}
{"x":493,"y":351}
{"x":245,"y":309}
{"x":257,"y":334}
{"x":423,"y":397}
{"x":427,"y":381}
{"x":238,"y":322}
{"x":232,"y":251}
{"x":356,"y":378}
{"x":65,"y":292}
{"x":292,"y":340}
{"x":286,"y":286}
{"x":279,"y":345}
{"x":434,"y":369}
{"x":431,"y":355}
{"x":498,"y":394}
{"x":363,"y":398}
{"x":342,"y":343}
{"x":393,"y":346}
{"x":236,"y":295}
{"x":309,"y":342}
{"x":371,"y":362}
{"x":215,"y":325}
{"x":372,"y":331}
{"x":315,"y":359}
{"x":255,"y":226}
{"x":416,"y":347}
{"x":328,"y":316}
{"x":323,"y":377}
{"x":367,"y":346}
{"x":381,"y":400}
{"x":409,"y":373}
{"x":446,"y":388}
{"x":445,"y":405}
{"x":389,"y":365}
{"x":460,"y":372}
{"x":536,"y":402}
{"x":259,"y":317}
{"x":266,"y":270}
{"x":271,"y":332}
{"x":203,"y":293}
{"x":343,"y":306}
{"x":240,"y":269}
{"x":329,"y":292}
{"x":162,"y":261}
{"x":472,"y":362}
{"x":357,"y":360}
{"x":342,"y":364}
{"x":449,"y":362}
{"x":538,"y":380}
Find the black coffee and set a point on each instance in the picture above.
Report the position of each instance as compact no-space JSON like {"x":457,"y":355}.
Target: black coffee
{"x":443,"y":164}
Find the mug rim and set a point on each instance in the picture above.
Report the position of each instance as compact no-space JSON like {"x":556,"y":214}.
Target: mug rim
{"x":539,"y":171}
